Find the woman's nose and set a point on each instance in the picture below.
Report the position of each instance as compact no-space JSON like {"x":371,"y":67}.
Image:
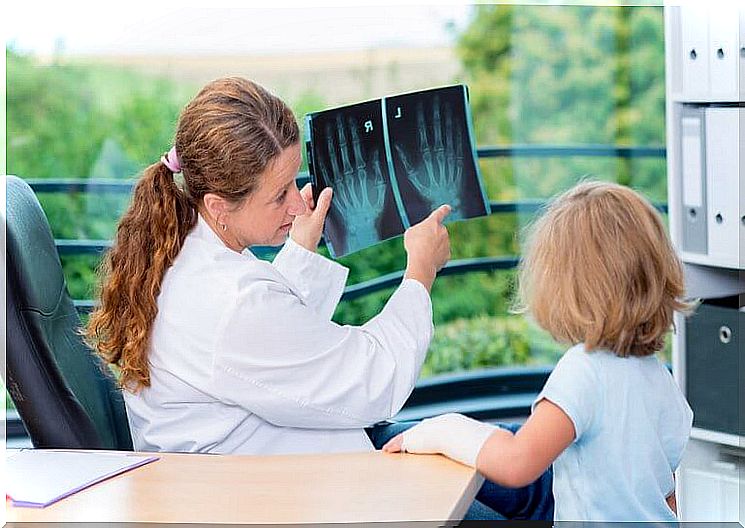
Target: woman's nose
{"x":297,"y":204}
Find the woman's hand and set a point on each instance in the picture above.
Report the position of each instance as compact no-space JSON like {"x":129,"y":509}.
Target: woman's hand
{"x":306,"y":229}
{"x":427,"y":246}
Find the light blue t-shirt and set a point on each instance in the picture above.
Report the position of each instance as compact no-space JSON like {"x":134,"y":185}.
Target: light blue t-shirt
{"x":632,"y":424}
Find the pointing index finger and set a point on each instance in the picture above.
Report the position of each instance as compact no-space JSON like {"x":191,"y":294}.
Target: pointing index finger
{"x":441,"y":213}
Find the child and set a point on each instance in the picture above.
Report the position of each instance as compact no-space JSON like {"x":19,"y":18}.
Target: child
{"x":599,"y":274}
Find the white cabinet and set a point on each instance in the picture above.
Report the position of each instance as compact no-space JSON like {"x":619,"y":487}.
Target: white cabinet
{"x":694,"y":49}
{"x":705,"y":98}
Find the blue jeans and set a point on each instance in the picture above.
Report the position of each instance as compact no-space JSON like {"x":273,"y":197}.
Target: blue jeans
{"x":493,"y":502}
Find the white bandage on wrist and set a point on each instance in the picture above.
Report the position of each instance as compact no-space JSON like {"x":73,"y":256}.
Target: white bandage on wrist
{"x":454,"y":435}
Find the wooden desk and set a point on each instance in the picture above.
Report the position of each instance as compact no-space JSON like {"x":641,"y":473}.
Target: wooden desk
{"x":356,"y":487}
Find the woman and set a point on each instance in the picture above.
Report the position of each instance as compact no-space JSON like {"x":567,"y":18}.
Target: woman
{"x":221,"y":352}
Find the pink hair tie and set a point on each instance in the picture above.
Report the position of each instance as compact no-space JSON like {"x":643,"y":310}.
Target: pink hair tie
{"x":170,"y":160}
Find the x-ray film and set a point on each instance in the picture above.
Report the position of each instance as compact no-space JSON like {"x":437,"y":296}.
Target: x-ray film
{"x":391,"y":162}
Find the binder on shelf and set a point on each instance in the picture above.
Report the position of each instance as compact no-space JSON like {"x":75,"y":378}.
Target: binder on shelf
{"x":724,"y":226}
{"x":723,"y":53}
{"x":695,"y":51}
{"x":692,"y":169}
{"x":741,"y":47}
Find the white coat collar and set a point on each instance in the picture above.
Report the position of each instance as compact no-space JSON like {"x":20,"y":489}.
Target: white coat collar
{"x":202,"y":231}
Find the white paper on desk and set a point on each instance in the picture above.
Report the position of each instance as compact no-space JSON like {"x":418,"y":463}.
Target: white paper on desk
{"x":38,"y":477}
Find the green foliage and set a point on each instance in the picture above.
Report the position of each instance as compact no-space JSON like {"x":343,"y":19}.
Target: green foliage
{"x":488,"y":342}
{"x":145,"y":122}
{"x":80,"y":274}
{"x":485,"y":342}
{"x":567,"y":75}
{"x":306,"y":103}
{"x":53,"y":124}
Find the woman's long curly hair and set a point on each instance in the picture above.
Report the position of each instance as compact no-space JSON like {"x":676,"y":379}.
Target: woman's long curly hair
{"x":226,"y":137}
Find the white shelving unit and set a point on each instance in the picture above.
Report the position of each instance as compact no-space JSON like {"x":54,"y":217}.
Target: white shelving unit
{"x":705,"y":91}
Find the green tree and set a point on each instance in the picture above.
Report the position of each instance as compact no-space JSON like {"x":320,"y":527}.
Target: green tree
{"x":567,"y":75}
{"x":54,"y":127}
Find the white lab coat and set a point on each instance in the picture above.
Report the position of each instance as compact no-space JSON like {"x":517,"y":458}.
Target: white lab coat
{"x":244,"y":357}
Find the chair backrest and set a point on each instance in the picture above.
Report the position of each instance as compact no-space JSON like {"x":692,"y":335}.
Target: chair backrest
{"x":65,"y":395}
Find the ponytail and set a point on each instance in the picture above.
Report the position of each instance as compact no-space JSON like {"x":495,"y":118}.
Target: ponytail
{"x":150,"y":235}
{"x":226,"y":137}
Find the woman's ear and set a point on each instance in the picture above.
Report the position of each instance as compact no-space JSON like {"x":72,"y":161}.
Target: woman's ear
{"x":216,"y":206}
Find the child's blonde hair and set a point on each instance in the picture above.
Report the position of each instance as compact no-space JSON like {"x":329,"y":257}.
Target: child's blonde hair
{"x":599,"y":269}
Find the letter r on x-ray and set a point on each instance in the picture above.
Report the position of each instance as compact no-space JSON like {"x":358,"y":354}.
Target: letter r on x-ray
{"x":368,"y":126}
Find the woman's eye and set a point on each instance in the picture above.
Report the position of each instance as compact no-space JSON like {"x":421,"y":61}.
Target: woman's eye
{"x":282,"y":196}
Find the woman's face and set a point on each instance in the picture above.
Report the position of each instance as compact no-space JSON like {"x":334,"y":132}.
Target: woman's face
{"x":265,"y":217}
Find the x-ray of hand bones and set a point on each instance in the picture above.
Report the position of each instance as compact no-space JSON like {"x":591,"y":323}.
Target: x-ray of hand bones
{"x":359,"y":195}
{"x":438,"y":177}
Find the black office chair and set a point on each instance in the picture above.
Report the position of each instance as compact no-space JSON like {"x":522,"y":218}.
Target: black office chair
{"x":64,"y":394}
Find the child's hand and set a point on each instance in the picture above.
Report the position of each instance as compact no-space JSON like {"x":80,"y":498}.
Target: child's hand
{"x":395,"y":444}
{"x":454,"y":435}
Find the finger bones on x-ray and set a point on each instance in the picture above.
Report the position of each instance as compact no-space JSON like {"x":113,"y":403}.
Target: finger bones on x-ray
{"x":358,"y":198}
{"x":441,"y":168}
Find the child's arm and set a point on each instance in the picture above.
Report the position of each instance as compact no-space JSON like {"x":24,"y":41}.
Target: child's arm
{"x":517,"y":460}
{"x":507,"y":459}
